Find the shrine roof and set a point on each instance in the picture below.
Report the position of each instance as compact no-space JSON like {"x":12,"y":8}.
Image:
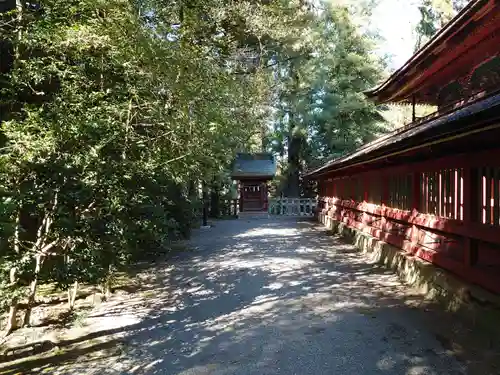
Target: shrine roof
{"x":258,"y":165}
{"x":468,"y":39}
{"x":434,"y":129}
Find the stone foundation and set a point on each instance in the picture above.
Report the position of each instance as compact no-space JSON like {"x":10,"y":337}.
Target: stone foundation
{"x":436,"y":284}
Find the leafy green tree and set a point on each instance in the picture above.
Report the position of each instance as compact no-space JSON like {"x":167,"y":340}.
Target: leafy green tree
{"x":321,"y":111}
{"x":112,"y":112}
{"x":434,"y":14}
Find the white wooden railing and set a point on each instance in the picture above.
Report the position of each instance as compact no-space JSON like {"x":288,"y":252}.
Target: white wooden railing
{"x":292,"y":206}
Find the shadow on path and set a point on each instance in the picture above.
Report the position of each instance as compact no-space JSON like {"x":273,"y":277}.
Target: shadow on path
{"x":259,"y":297}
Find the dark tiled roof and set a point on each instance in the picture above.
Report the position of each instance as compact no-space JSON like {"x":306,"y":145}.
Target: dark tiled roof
{"x":254,"y":165}
{"x":391,"y":141}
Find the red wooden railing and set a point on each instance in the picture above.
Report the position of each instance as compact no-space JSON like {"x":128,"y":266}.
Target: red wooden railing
{"x":446,"y":211}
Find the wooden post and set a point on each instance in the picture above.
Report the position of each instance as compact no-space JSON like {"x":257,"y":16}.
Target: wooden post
{"x":242,"y":196}
{"x":413,"y":114}
{"x":264,"y":195}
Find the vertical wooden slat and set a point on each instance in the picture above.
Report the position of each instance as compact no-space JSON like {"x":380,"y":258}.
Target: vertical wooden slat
{"x":389,"y":191}
{"x":395,"y":198}
{"x":396,"y":191}
{"x":440,"y":193}
{"x":433,"y":193}
{"x":445,"y":192}
{"x":461,"y":180}
{"x":488,"y":195}
{"x":401,"y":191}
{"x":496,"y":202}
{"x":451,"y":193}
{"x":448,"y":194}
{"x":388,"y":184}
{"x":429,"y":193}
{"x":409,"y":190}
{"x":454,"y":188}
{"x":469,"y":194}
{"x":427,"y":197}
{"x":416,"y":192}
{"x":405,"y":192}
{"x":366,"y":187}
{"x":454,"y":183}
{"x":421,"y":191}
{"x":385,"y":189}
{"x":482,"y":196}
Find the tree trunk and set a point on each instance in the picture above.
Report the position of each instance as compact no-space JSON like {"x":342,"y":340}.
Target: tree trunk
{"x":106,"y":287}
{"x":72,"y":292}
{"x":263,"y":138}
{"x":293,"y":181}
{"x":214,"y":202}
{"x":192,"y":193}
{"x":295,"y":143}
{"x":33,"y":287}
{"x":12,"y":317}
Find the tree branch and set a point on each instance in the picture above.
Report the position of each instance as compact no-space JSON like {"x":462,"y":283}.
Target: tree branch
{"x":274,"y":63}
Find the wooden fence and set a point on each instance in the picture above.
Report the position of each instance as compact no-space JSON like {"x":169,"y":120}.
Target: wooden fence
{"x":292,"y":206}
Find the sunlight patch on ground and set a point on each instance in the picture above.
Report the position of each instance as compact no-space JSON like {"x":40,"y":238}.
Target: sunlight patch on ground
{"x":420,"y":370}
{"x":209,"y":369}
{"x":274,"y":286}
{"x":262,"y":232}
{"x":112,"y":322}
{"x":268,"y":264}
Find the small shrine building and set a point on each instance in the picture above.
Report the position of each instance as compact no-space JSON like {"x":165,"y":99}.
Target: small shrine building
{"x":253,"y":172}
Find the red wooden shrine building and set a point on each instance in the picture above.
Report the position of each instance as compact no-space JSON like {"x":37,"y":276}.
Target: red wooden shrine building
{"x":253,"y":171}
{"x":432,"y":188}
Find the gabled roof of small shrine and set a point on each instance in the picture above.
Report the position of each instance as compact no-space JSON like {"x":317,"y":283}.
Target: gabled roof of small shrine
{"x":259,"y":165}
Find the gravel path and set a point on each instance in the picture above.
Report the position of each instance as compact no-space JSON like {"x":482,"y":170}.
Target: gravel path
{"x":265,"y":297}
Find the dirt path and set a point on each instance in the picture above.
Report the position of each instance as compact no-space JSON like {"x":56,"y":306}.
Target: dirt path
{"x":257,"y":297}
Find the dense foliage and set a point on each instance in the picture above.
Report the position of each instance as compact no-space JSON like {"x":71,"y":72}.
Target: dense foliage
{"x":321,"y":110}
{"x":114,"y":112}
{"x":434,"y":14}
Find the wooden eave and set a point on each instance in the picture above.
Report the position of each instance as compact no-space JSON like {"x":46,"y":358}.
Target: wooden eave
{"x":479,"y":117}
{"x":442,"y":54}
